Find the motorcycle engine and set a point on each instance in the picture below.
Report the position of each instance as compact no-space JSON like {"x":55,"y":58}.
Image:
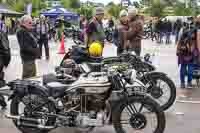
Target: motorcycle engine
{"x":85,"y":120}
{"x":84,"y":103}
{"x":88,"y":109}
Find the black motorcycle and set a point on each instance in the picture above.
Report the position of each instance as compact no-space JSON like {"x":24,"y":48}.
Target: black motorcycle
{"x":83,"y":104}
{"x":159,"y":85}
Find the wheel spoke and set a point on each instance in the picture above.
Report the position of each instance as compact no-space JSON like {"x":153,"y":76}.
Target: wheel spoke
{"x":131,"y":109}
{"x":141,"y":107}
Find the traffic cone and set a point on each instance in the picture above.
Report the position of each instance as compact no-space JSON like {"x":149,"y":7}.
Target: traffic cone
{"x":62,"y":45}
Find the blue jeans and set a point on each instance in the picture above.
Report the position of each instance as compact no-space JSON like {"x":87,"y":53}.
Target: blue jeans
{"x":168,"y":39}
{"x":186,"y":70}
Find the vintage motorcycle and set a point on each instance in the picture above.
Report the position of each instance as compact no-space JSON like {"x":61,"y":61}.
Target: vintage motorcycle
{"x":83,"y":104}
{"x":159,"y":85}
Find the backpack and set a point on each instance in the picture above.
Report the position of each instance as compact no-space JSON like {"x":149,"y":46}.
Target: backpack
{"x":5,"y":49}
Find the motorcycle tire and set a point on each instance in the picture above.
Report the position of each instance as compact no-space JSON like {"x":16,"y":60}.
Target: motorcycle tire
{"x":3,"y":103}
{"x":109,"y":37}
{"x":171,"y":86}
{"x":145,"y":101}
{"x":14,"y":111}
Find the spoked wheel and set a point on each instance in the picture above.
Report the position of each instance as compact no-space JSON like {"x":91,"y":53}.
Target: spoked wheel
{"x":29,"y":107}
{"x":139,"y":115}
{"x":162,"y":89}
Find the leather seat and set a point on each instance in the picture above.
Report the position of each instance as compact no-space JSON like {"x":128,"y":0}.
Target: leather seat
{"x":95,"y":67}
{"x":56,"y":89}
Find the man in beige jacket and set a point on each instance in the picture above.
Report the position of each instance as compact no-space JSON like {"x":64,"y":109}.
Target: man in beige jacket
{"x":135,"y":33}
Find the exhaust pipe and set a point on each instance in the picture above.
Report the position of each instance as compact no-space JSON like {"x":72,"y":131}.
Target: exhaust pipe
{"x":29,"y":122}
{"x":39,"y":126}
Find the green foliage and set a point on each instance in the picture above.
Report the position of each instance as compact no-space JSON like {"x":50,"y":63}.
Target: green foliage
{"x":71,"y":4}
{"x":180,"y":10}
{"x":87,"y":11}
{"x":156,"y":8}
{"x":136,"y":4}
{"x":161,"y":8}
{"x":18,"y":6}
{"x":113,"y":9}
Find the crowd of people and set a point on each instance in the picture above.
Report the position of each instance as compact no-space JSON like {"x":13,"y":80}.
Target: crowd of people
{"x":128,"y":30}
{"x":8,"y":24}
{"x":33,"y":34}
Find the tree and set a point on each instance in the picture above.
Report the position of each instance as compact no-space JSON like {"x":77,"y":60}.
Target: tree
{"x":19,"y":5}
{"x":37,"y":6}
{"x":113,"y":9}
{"x":180,"y":10}
{"x":156,"y":8}
{"x":136,"y":4}
{"x":71,"y":4}
{"x":87,"y":11}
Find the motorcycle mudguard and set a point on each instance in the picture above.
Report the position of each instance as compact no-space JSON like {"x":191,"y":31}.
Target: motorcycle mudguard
{"x":152,"y":74}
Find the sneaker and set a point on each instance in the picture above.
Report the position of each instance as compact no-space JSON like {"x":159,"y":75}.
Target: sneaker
{"x":189,"y":85}
{"x":182,"y":86}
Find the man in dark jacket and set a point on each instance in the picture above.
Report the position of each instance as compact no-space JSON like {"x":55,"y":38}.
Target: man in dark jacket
{"x":5,"y":57}
{"x":177,"y":27}
{"x":29,"y":50}
{"x":95,"y":31}
{"x":168,"y":31}
{"x":42,"y":29}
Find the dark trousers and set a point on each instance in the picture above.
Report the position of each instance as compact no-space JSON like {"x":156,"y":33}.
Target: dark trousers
{"x":186,"y":70}
{"x":168,"y":37}
{"x":136,"y":50}
{"x":29,"y":69}
{"x":160,"y":40}
{"x":176,"y":39}
{"x":44,"y":41}
{"x":2,"y":81}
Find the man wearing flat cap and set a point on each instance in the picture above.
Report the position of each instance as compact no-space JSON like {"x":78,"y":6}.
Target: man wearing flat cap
{"x":135,"y":33}
{"x":95,"y":31}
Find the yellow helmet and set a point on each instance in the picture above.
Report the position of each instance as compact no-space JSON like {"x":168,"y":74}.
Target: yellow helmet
{"x":95,"y":49}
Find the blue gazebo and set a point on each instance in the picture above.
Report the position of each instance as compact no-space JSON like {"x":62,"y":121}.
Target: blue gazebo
{"x":60,"y":11}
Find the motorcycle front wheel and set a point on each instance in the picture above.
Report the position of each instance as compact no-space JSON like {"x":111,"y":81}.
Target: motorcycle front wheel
{"x":24,"y":106}
{"x":161,"y":88}
{"x":138,"y":114}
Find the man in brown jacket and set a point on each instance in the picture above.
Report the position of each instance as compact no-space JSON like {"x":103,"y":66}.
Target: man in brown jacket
{"x":135,"y":33}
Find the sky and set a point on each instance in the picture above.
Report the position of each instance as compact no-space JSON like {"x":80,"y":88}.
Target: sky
{"x":106,"y":1}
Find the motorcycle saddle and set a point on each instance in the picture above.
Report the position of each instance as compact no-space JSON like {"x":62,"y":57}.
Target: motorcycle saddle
{"x":56,"y":89}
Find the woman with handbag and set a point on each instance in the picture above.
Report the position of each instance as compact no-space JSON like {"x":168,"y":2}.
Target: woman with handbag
{"x":186,"y":51}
